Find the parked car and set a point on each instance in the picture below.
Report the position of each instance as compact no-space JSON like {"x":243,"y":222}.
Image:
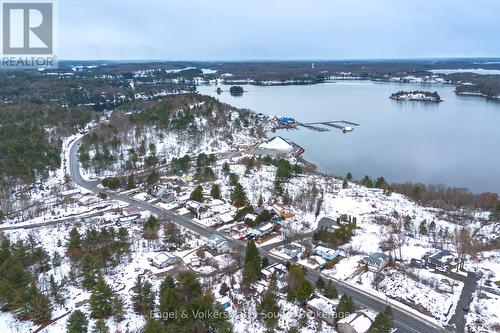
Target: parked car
{"x":441,"y":269}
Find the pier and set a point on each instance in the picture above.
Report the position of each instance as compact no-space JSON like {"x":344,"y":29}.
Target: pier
{"x":345,"y":126}
{"x":312,"y":127}
{"x":323,"y":126}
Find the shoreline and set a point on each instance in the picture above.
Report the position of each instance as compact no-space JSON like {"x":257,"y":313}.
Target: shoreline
{"x":313,"y":166}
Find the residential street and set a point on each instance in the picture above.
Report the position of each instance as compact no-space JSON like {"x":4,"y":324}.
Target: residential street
{"x":405,"y":320}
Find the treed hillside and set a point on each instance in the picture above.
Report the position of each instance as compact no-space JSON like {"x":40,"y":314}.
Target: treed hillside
{"x":146,"y":134}
{"x":30,"y":139}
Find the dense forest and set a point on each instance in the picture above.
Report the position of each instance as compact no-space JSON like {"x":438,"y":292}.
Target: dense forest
{"x":30,"y":138}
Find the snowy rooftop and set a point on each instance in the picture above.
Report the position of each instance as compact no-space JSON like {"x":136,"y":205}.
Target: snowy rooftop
{"x":359,"y":321}
{"x":322,"y":304}
{"x":164,"y":256}
{"x":277,"y":143}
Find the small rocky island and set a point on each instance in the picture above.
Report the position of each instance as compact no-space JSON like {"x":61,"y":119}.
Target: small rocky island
{"x":417,"y":95}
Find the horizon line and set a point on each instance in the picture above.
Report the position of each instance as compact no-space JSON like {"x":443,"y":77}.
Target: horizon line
{"x":241,"y":60}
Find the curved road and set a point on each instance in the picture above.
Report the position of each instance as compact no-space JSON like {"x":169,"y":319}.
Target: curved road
{"x":404,"y":320}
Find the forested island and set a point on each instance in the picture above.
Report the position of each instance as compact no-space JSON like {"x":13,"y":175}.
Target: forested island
{"x":236,"y":90}
{"x":416,"y":95}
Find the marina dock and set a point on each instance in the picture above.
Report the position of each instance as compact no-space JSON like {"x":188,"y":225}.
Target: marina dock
{"x":323,"y":126}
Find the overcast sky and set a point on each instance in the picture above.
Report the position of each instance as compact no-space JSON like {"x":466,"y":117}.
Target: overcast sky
{"x":277,"y":29}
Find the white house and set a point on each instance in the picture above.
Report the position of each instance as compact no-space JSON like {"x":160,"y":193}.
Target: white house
{"x":266,"y":229}
{"x":218,"y":244}
{"x":226,"y":218}
{"x":357,"y":322}
{"x":323,"y":307}
{"x":326,"y":252}
{"x":163,"y":259}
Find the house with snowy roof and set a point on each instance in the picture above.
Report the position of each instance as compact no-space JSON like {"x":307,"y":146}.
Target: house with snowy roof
{"x":323,"y":307}
{"x":357,"y":322}
{"x":441,"y":258}
{"x":163,"y":259}
{"x":218,"y":243}
{"x":326,"y":252}
{"x":292,"y":250}
{"x":376,"y":261}
{"x":276,"y":143}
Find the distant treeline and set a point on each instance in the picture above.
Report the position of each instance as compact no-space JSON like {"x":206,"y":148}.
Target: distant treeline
{"x":485,"y":85}
{"x":447,"y":197}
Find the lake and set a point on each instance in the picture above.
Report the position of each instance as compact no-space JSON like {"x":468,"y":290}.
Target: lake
{"x":455,"y":142}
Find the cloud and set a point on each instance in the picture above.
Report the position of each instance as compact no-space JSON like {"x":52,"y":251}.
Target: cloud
{"x":276,"y":29}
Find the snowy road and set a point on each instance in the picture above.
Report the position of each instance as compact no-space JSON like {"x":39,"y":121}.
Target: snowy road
{"x":405,"y":319}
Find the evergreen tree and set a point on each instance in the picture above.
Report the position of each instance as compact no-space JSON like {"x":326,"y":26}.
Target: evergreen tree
{"x":367,"y":182}
{"x":284,"y":169}
{"x":143,"y":297}
{"x":100,"y":326}
{"x":320,"y":283}
{"x":30,"y":304}
{"x":197,"y":194}
{"x":383,"y":322}
{"x":380,"y":182}
{"x":250,"y":165}
{"x":268,"y":308}
{"x":260,"y":202}
{"x":56,"y":290}
{"x":251,"y":269}
{"x":298,"y":287}
{"x":153,"y":326}
{"x":265,"y":262}
{"x":89,"y":270}
{"x":224,"y":289}
{"x":169,"y":297}
{"x":130,"y":182}
{"x":151,"y":227}
{"x":101,"y":300}
{"x":225,"y":167}
{"x":344,"y":308}
{"x":118,"y":308}
{"x":77,"y":322}
{"x":349,"y":176}
{"x":56,"y":259}
{"x":422,"y":228}
{"x":233,"y":179}
{"x":238,"y":196}
{"x":40,"y":308}
{"x":215,"y":191}
{"x":74,"y":243}
{"x":330,"y":291}
{"x":167,"y":283}
{"x":345,"y":184}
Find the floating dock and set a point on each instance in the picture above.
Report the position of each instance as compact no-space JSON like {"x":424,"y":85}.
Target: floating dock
{"x":312,"y":127}
{"x":345,"y":126}
{"x":323,"y":126}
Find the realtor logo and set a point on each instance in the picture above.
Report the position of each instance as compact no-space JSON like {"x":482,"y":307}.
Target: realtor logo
{"x":28,"y":35}
{"x":28,"y":28}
